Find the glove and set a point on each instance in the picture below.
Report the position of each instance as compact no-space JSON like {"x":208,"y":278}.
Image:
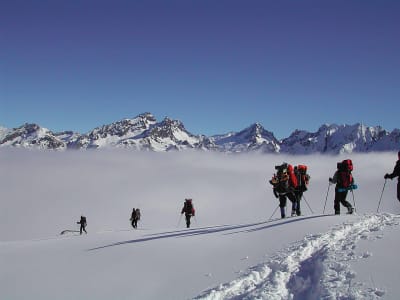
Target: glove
{"x":330,"y":180}
{"x":353,"y":187}
{"x":386,"y":176}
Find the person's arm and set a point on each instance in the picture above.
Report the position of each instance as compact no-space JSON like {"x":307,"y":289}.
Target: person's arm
{"x":334,"y":178}
{"x":396,"y":171}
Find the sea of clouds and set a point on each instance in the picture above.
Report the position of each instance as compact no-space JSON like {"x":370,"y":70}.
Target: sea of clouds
{"x":43,"y":193}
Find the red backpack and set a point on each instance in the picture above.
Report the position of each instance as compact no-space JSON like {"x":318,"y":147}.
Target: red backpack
{"x":292,"y":177}
{"x":188,"y":207}
{"x":345,"y":179}
{"x":302,"y":177}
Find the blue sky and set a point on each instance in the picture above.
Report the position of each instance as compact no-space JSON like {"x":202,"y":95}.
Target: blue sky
{"x":215,"y":65}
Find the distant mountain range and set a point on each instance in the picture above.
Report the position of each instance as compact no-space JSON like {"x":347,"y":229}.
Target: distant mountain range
{"x":144,"y":132}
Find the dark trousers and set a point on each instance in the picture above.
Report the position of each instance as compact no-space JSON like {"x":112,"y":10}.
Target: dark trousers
{"x":398,"y":190}
{"x":134,"y":223}
{"x":299,"y":196}
{"x":188,"y":216}
{"x":282,"y":202}
{"x":83,"y":228}
{"x":340,"y":198}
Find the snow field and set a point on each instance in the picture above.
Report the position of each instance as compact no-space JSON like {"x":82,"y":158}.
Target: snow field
{"x":232,"y":251}
{"x":315,"y":268}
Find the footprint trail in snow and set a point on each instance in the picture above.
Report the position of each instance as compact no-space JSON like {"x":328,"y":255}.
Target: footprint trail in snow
{"x":317,"y":267}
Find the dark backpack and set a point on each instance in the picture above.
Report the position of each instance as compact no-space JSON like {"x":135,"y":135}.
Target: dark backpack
{"x":188,"y":207}
{"x":280,"y":180}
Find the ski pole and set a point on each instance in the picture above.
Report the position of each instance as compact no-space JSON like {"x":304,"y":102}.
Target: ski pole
{"x":377,"y":210}
{"x":273,"y":213}
{"x":308,"y":204}
{"x":326,"y":199}
{"x":354,"y":200}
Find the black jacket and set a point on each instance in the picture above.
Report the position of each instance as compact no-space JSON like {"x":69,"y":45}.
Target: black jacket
{"x":396,"y":171}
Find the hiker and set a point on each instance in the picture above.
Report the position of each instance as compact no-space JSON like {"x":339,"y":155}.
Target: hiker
{"x":137,"y":216}
{"x":188,"y":210}
{"x":302,"y":184}
{"x":133,"y":218}
{"x":396,"y":173}
{"x":344,"y":182}
{"x":83,"y":224}
{"x":284,"y":183}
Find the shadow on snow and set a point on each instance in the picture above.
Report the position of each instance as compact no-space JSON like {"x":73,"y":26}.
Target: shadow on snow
{"x":241,"y":228}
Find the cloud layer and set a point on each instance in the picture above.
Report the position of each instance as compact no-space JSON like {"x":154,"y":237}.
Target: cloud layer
{"x":44,"y":193}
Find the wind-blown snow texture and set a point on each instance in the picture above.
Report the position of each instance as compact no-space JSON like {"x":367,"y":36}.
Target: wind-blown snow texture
{"x":234,"y":250}
{"x":145,"y":133}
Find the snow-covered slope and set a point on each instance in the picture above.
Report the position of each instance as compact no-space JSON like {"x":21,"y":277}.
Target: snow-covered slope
{"x":32,"y":136}
{"x":112,"y":134}
{"x":164,"y":136}
{"x":236,"y":247}
{"x":144,"y":132}
{"x":3,"y":132}
{"x":253,"y":138}
{"x":341,"y":139}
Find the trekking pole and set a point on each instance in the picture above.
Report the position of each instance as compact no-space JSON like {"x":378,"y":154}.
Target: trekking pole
{"x":326,"y":198}
{"x":179,"y":222}
{"x":377,"y":210}
{"x":273,"y":213}
{"x":308,"y":204}
{"x":354,"y":200}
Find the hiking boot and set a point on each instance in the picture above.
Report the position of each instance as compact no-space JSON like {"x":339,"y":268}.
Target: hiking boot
{"x":294,"y":214}
{"x":351,"y":210}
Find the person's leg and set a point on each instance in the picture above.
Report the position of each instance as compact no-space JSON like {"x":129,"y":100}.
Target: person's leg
{"x":299,"y":196}
{"x":188,"y":221}
{"x":336,"y":203}
{"x":293,"y":198}
{"x":398,"y":190}
{"x":346,"y":203}
{"x":282,"y":205}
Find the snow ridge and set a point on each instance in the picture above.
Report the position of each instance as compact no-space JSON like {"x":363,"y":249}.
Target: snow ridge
{"x":310,"y":269}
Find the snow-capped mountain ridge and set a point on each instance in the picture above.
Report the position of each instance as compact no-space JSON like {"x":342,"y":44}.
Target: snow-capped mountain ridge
{"x":143,"y":132}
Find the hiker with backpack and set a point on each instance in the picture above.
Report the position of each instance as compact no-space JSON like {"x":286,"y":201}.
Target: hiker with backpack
{"x":83,"y":224}
{"x":133,"y":218}
{"x":188,"y":210}
{"x":302,"y":184}
{"x":344,"y":182}
{"x":395,"y":173}
{"x":284,"y":184}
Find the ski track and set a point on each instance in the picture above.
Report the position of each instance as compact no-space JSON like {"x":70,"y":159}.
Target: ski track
{"x":317,"y":267}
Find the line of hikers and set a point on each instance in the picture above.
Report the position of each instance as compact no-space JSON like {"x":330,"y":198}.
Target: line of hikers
{"x":291,"y":182}
{"x":188,"y":210}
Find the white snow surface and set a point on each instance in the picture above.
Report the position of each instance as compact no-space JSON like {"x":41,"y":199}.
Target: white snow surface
{"x":233,"y":250}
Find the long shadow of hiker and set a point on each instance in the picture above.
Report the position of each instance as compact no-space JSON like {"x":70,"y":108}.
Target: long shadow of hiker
{"x":211,"y":230}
